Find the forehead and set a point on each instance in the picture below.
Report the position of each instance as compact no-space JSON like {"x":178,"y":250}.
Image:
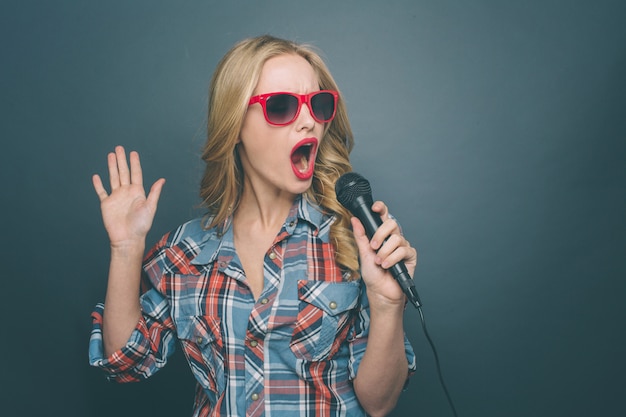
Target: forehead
{"x":290,"y":73}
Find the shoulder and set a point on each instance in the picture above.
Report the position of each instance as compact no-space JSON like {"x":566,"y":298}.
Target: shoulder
{"x":175,"y":251}
{"x":194,"y":230}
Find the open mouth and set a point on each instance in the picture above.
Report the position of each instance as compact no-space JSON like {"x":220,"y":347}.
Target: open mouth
{"x":303,"y":158}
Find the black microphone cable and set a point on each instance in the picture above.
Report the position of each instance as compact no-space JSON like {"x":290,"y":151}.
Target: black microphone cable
{"x":437,"y":363}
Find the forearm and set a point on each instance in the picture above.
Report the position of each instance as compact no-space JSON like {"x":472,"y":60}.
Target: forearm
{"x":122,"y":309}
{"x":384,"y":367}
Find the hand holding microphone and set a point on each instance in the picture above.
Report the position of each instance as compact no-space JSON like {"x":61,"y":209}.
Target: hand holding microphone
{"x":355,"y":194}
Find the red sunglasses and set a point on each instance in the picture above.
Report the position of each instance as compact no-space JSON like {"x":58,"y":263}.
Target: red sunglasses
{"x":280,"y":109}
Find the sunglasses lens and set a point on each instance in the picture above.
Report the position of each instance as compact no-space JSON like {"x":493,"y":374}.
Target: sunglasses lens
{"x":281,"y":108}
{"x":323,"y":105}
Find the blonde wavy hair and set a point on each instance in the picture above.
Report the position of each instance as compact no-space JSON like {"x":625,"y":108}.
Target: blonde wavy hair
{"x":232,"y":85}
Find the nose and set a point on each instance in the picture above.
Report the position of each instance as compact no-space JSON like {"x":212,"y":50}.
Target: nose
{"x":305,"y":118}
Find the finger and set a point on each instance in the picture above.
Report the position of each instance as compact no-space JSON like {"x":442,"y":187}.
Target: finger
{"x":155,"y":193}
{"x":384,"y":231}
{"x":136,"y":175}
{"x":122,"y":165}
{"x":114,"y":176}
{"x":382,"y":209}
{"x":390,"y":244}
{"x":405,"y":254}
{"x":395,"y":249}
{"x":97,"y":185}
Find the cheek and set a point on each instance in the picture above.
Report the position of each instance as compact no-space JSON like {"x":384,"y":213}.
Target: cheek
{"x":253,"y":124}
{"x":262,"y":145}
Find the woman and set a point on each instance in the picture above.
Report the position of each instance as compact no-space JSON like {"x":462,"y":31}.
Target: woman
{"x":280,"y":302}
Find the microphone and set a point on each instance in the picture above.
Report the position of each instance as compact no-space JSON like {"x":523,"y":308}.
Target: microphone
{"x":355,"y":194}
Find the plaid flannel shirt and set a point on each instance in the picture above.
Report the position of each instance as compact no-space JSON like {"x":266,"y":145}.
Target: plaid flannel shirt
{"x":292,"y":352}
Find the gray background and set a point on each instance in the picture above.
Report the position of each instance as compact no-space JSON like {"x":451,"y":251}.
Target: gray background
{"x":495,"y":131}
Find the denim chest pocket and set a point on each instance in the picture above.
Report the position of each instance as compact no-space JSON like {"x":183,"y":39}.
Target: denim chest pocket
{"x":326,"y":312}
{"x":202,"y":343}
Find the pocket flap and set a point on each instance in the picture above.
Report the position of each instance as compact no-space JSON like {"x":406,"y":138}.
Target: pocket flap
{"x":332,"y":297}
{"x":200,"y":330}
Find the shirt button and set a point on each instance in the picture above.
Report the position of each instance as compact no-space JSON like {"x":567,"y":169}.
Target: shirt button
{"x":265,"y":301}
{"x":253,"y":343}
{"x":198,"y":340}
{"x":254,"y":396}
{"x":272,"y":256}
{"x":332,"y":305}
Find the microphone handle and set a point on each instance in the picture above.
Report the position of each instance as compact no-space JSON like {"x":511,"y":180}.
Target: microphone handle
{"x":371,"y":222}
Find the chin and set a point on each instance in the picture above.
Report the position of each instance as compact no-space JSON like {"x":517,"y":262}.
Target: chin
{"x":302,"y":186}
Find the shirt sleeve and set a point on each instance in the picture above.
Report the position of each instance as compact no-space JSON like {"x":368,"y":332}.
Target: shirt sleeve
{"x":358,"y":342}
{"x":150,"y":344}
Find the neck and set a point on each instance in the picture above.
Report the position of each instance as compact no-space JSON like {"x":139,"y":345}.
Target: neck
{"x":263,"y":210}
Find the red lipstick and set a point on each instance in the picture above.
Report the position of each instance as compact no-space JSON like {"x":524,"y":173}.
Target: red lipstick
{"x":303,"y":158}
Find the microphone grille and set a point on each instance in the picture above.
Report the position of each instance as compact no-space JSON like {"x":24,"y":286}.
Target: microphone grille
{"x":350,"y":186}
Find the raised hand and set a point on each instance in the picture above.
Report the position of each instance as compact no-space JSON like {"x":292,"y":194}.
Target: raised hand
{"x":127,"y":212}
{"x":377,"y":256}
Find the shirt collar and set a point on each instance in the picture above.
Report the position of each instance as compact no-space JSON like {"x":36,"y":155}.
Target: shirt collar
{"x":221,"y":236}
{"x":307,"y":211}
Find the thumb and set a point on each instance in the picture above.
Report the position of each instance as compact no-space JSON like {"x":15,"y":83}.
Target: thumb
{"x":362,"y":241}
{"x":155,"y":192}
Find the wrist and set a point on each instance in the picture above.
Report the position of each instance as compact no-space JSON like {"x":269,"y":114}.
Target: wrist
{"x":382,"y":305}
{"x":128,"y":249}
